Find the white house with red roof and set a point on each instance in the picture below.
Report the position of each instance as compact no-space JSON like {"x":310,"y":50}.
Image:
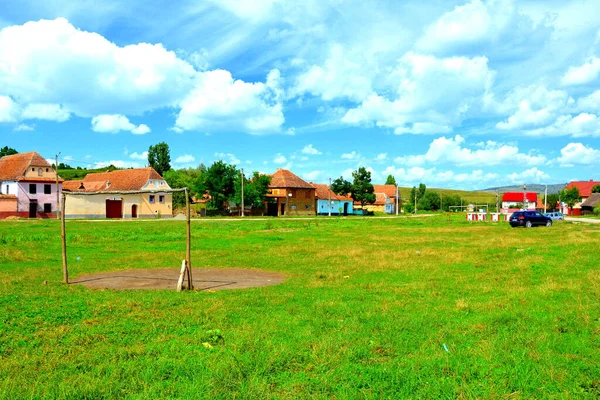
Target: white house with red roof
{"x":28,"y":186}
{"x":109,"y":195}
{"x":585,"y":191}
{"x":510,"y":200}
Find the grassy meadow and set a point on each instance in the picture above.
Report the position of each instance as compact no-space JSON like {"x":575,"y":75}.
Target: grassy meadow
{"x":372,"y":308}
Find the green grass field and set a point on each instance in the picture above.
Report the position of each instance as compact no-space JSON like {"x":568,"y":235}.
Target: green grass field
{"x":469,"y":197}
{"x":372,"y":308}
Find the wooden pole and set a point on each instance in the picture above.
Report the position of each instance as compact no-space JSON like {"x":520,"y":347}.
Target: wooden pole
{"x":64,"y":240}
{"x":56,"y":173}
{"x":188,"y":251}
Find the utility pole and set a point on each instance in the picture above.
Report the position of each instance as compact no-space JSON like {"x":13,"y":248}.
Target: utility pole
{"x":329,"y":201}
{"x":546,"y":199}
{"x":242,"y":192}
{"x":397,"y":199}
{"x":56,"y":173}
{"x":497,"y":205}
{"x":415,"y":201}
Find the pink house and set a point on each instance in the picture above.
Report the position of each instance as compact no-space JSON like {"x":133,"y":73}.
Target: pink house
{"x":27,"y":186}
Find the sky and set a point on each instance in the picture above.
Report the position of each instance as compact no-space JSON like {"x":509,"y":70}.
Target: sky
{"x":453,"y":94}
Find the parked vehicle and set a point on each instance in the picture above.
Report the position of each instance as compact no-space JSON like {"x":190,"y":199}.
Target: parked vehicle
{"x":529,"y":219}
{"x":555,"y":216}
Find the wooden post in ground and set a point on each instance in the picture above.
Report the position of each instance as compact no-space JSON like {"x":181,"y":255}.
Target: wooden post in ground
{"x":64,"y":240}
{"x":188,"y":251}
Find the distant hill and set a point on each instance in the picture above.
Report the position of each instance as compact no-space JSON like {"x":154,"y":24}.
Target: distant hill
{"x":531,"y":187}
{"x":475,"y":197}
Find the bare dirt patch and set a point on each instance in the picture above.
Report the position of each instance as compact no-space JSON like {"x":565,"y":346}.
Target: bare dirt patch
{"x":166,"y":278}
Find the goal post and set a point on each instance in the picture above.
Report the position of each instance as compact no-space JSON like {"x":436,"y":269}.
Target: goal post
{"x":186,"y":271}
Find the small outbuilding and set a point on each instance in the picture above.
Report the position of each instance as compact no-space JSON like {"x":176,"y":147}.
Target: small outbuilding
{"x":329,"y":202}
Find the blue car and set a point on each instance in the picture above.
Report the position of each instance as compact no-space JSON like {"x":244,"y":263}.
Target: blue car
{"x":555,"y":216}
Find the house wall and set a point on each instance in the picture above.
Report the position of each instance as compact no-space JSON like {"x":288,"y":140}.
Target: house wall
{"x":301,"y":201}
{"x":336,"y":208}
{"x":9,"y":187}
{"x":511,"y":205}
{"x":8,"y":207}
{"x":94,"y":206}
{"x":24,"y":197}
{"x":40,"y":172}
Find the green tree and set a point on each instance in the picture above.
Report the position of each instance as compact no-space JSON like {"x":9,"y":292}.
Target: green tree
{"x":159,"y":157}
{"x":390,"y":180}
{"x":7,"y":151}
{"x":570,"y":196}
{"x":451,"y":200}
{"x":182,"y":178}
{"x":597,"y":210}
{"x":552,"y":201}
{"x":362,"y":189}
{"x":219,"y":180}
{"x":341,"y":186}
{"x":422,"y":189}
{"x":255,"y":190}
{"x":414,"y":197}
{"x":430,"y":201}
{"x":596,"y":189}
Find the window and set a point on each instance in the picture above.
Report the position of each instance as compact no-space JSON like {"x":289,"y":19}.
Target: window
{"x":47,"y":189}
{"x":40,"y":172}
{"x":151,"y":198}
{"x":47,"y":207}
{"x":47,"y":170}
{"x":7,"y":189}
{"x":32,"y":188}
{"x":161,"y":199}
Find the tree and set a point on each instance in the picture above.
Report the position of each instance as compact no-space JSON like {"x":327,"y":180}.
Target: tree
{"x":219,"y":180}
{"x":159,"y":157}
{"x":422,"y":189}
{"x":413,"y":197}
{"x":7,"y":151}
{"x":255,"y":190}
{"x":451,"y":200}
{"x":552,"y":201}
{"x":341,"y":186}
{"x":362,"y":189}
{"x":430,"y":201}
{"x":570,"y":196}
{"x":390,"y":180}
{"x":182,"y":178}
{"x":596,"y":189}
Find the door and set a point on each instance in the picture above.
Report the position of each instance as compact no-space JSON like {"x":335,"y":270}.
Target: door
{"x":114,"y":209}
{"x":282,"y":210}
{"x":32,"y":210}
{"x":134,"y":211}
{"x":345,"y":209}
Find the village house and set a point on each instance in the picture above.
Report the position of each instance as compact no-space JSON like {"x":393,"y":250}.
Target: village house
{"x":153,"y":202}
{"x":28,"y":186}
{"x":385,"y":199}
{"x":329,"y":202}
{"x":588,"y":205}
{"x":290,"y":195}
{"x":510,"y":200}
{"x":585,"y":191}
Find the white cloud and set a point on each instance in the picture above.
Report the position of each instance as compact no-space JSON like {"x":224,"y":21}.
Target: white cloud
{"x":118,"y":164}
{"x":51,"y":62}
{"x":381,"y":157}
{"x":114,"y":123}
{"x":351,"y":156}
{"x":583,"y":124}
{"x":578,"y":154}
{"x":311,"y":176}
{"x":532,"y":106}
{"x":496,"y":25}
{"x":139,"y":156}
{"x":532,"y":175}
{"x":432,"y":95}
{"x":218,"y":103}
{"x":48,"y":112}
{"x":309,"y":149}
{"x":585,"y":73}
{"x":279,"y":159}
{"x":451,"y":151}
{"x":185,"y":159}
{"x":230,"y":158}
{"x":340,"y":77}
{"x":9,"y":110}
{"x":590,"y":102}
{"x":432,"y":176}
{"x":24,"y":127}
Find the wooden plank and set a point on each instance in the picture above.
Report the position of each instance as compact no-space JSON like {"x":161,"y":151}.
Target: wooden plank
{"x":188,"y":247}
{"x":181,"y":276}
{"x":63,"y":236}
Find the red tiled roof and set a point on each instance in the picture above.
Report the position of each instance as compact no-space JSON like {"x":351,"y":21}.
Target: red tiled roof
{"x":14,"y":167}
{"x":388,"y":190}
{"x":286,"y":179}
{"x":585,"y":187}
{"x":322,"y":192}
{"x":120,"y":180}
{"x":519,"y":197}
